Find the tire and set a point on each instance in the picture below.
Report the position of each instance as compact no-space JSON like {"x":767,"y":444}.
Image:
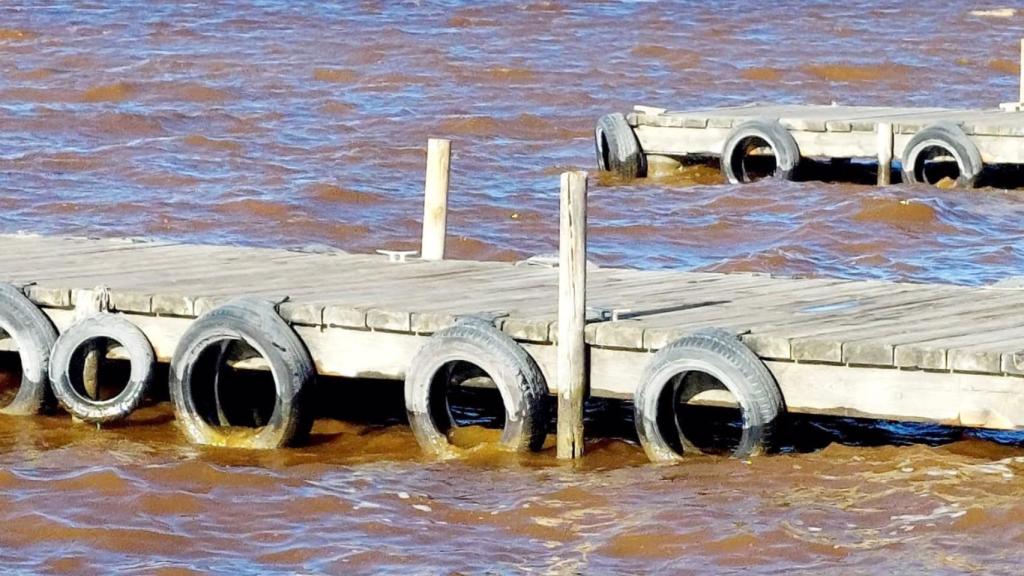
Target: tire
{"x":34,"y":335}
{"x":787,"y":153}
{"x":198,"y":405}
{"x":518,"y":378}
{"x":719,"y":354}
{"x":617,"y":148}
{"x":69,"y":349}
{"x":952,"y":139}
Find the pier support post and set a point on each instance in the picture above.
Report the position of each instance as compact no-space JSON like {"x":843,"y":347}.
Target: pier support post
{"x":89,"y":303}
{"x":435,"y":199}
{"x":884,"y":153}
{"x":572,"y":296}
{"x":1017,"y":106}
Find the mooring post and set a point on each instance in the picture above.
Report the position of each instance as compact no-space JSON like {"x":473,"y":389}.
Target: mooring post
{"x":1021,"y":95}
{"x":91,"y":370}
{"x":89,"y":303}
{"x":572,"y":304}
{"x":884,"y":153}
{"x":435,"y":199}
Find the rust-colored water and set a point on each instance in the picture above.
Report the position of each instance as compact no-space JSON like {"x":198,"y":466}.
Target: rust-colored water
{"x":288,"y":124}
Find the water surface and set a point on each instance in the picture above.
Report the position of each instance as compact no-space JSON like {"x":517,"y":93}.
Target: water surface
{"x":279,"y":123}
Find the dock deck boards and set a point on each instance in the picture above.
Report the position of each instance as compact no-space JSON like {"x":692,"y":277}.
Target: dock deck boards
{"x":822,"y":320}
{"x":835,"y":118}
{"x":345,"y":305}
{"x":830,"y":131}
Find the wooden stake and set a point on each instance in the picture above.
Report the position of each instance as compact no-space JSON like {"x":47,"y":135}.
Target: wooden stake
{"x":91,"y":370}
{"x":884,"y":153}
{"x":1021,"y":100}
{"x":89,"y":303}
{"x":572,"y":303}
{"x":435,"y":199}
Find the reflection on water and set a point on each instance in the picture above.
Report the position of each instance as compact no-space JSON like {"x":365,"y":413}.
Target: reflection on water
{"x":288,"y":124}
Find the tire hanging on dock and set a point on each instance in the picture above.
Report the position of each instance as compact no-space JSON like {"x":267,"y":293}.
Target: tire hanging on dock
{"x":618,"y":149}
{"x":516,"y":375}
{"x":34,"y":335}
{"x":939,"y":139}
{"x":707,"y":353}
{"x":755,"y":134}
{"x":198,"y":366}
{"x":68,"y":357}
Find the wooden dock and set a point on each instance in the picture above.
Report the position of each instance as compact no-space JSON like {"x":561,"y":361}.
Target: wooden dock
{"x":227,"y":317}
{"x":945,"y":354}
{"x":968,"y":140}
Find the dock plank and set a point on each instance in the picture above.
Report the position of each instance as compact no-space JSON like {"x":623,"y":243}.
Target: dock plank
{"x":839,"y":323}
{"x":837,"y":131}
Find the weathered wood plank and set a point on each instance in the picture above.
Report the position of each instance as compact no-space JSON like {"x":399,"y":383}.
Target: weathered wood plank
{"x":829,"y":131}
{"x":572,"y":310}
{"x":378,"y":312}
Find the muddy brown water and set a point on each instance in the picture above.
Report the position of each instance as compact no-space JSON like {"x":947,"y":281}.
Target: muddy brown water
{"x":287,"y":124}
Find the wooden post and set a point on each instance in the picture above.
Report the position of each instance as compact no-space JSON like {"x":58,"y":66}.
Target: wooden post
{"x":435,"y":199}
{"x":91,"y":369}
{"x":572,"y":304}
{"x":89,"y":303}
{"x":1021,"y":97}
{"x":884,"y":140}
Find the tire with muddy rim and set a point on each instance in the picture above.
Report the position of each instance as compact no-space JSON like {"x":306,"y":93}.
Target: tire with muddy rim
{"x":618,"y":149}
{"x":34,"y":335}
{"x":942,"y":140}
{"x":753,"y":136}
{"x":503,"y":361}
{"x":197,"y":375}
{"x":715,"y":356}
{"x":68,"y":359}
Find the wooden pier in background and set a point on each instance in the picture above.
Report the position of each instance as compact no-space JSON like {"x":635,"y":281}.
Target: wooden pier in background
{"x":928,"y":144}
{"x":968,"y":140}
{"x":947,"y":354}
{"x":828,"y":131}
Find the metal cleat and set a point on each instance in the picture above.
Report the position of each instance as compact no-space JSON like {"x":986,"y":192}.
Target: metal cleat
{"x":613,"y":314}
{"x":397,"y":255}
{"x":606,"y":314}
{"x":545,"y":260}
{"x":549,"y":261}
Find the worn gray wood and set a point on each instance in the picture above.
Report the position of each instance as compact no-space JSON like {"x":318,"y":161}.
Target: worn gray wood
{"x":820,"y":320}
{"x":435,"y":199}
{"x":572,"y":304}
{"x":868,"y":348}
{"x":884,"y":132}
{"x":828,"y":131}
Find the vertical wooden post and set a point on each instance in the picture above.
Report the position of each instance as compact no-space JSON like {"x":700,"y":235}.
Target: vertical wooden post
{"x":435,"y":199}
{"x":88,"y":303}
{"x":91,"y":370}
{"x":572,"y":305}
{"x":884,"y":143}
{"x":1021,"y":97}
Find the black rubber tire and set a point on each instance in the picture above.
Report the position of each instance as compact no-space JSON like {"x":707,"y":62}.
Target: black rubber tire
{"x":256,"y":322}
{"x":84,"y":333}
{"x":34,"y":335}
{"x":787,"y":153}
{"x":950,"y":137}
{"x":617,"y":148}
{"x":720,"y":354}
{"x":518,"y":378}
